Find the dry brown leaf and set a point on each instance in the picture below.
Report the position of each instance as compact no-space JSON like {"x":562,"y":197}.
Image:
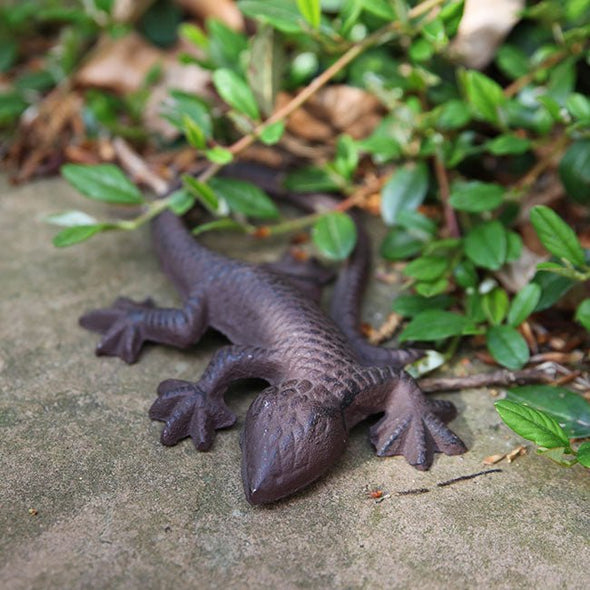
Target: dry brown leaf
{"x":128,"y":11}
{"x":386,"y":330}
{"x":43,"y":134}
{"x":483,"y":27}
{"x":517,"y":452}
{"x":350,"y":110}
{"x":303,"y":123}
{"x":493,"y":459}
{"x":333,"y":110}
{"x":514,"y":276}
{"x":119,"y":64}
{"x":223,"y":10}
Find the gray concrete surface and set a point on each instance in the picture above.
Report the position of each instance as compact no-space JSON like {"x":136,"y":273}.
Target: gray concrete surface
{"x":90,"y":499}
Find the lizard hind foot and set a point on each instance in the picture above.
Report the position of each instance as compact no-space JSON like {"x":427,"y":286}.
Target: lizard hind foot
{"x":415,"y":428}
{"x":189,"y":412}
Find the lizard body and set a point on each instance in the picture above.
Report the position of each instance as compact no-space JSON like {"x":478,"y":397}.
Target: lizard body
{"x":323,"y":378}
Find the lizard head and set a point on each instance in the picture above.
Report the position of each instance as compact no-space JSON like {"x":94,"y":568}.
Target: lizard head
{"x":290,"y":439}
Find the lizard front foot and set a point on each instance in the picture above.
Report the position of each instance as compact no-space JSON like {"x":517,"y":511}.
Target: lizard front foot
{"x":121,"y":325}
{"x":188,"y":411}
{"x":415,"y":427}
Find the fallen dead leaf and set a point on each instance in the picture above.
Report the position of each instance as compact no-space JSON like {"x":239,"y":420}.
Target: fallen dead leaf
{"x":128,"y":11}
{"x":483,"y":27}
{"x":120,"y":64}
{"x":493,"y":459}
{"x":223,"y":10}
{"x":334,"y":109}
{"x":44,"y":133}
{"x":514,"y":276}
{"x":515,"y":453}
{"x":386,"y":330}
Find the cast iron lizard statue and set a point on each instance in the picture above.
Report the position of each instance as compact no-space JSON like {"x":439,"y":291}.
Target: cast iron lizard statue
{"x":323,"y":376}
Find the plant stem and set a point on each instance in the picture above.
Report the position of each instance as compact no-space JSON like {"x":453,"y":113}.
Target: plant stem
{"x":531,"y":176}
{"x":443,"y":187}
{"x":549,"y":62}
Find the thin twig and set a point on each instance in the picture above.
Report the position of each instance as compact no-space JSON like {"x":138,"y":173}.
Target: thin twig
{"x":531,"y":176}
{"x":503,"y":378}
{"x":443,"y":187}
{"x":449,"y":482}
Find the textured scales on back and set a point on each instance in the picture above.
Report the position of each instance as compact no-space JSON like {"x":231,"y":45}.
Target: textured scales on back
{"x":323,"y":378}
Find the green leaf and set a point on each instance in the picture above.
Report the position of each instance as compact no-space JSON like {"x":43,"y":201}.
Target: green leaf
{"x":583,"y":314}
{"x":486,"y":245}
{"x":532,"y":424}
{"x":380,"y":8}
{"x":513,"y":246}
{"x":334,"y":235}
{"x":465,"y":274}
{"x":513,"y":61}
{"x":12,"y":104}
{"x":558,"y":237}
{"x":571,"y":410}
{"x":574,"y":171}
{"x":453,"y":114}
{"x":434,"y":31}
{"x":495,"y":305}
{"x":159,"y":23}
{"x":235,"y":92}
{"x":226,"y":46}
{"x":309,"y":180}
{"x":102,"y":182}
{"x":193,"y":34}
{"x":552,"y":107}
{"x":562,"y":79}
{"x":484,"y":95}
{"x":578,"y":106}
{"x":283,"y":15}
{"x":273,"y":133}
{"x":8,"y":53}
{"x":266,"y":66}
{"x":417,"y":224}
{"x":507,"y":347}
{"x":311,"y":10}
{"x":432,"y":288}
{"x":421,"y":50}
{"x":194,"y":134}
{"x":347,"y":158}
{"x":244,"y":197}
{"x":553,"y":287}
{"x":474,"y":309}
{"x":412,"y":305}
{"x":508,"y":145}
{"x":476,"y":196}
{"x":70,"y":218}
{"x":524,"y":304}
{"x":185,"y":104}
{"x":400,"y":244}
{"x":426,"y":268}
{"x":74,"y":235}
{"x":583,"y":454}
{"x":203,"y":193}
{"x":181,"y":201}
{"x":405,"y":190}
{"x":226,"y":223}
{"x":435,"y":324}
{"x":219,"y":155}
